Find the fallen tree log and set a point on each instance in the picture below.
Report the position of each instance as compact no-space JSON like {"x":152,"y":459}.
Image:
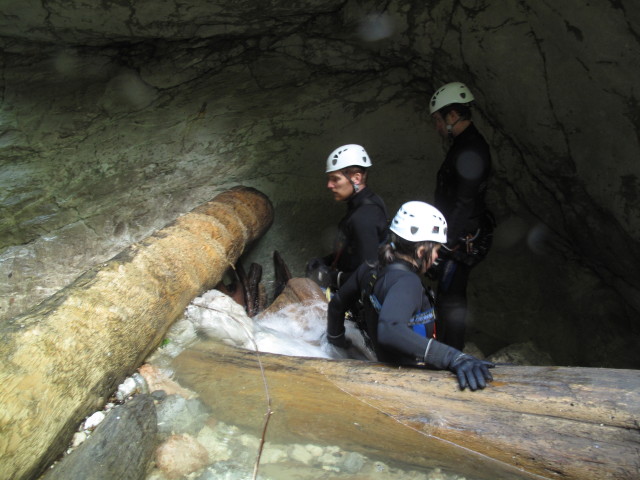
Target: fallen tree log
{"x":60,"y":361}
{"x":531,"y":422}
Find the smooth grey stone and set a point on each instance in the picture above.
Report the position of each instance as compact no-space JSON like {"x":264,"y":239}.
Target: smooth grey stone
{"x":120,"y":448}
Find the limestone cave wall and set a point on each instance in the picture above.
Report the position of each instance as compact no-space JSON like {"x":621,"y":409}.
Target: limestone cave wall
{"x":117,"y":117}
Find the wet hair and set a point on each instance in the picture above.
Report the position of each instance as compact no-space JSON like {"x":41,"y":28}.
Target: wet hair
{"x":463,"y":110}
{"x":388,"y":253}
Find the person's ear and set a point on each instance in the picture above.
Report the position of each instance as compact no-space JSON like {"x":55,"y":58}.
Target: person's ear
{"x":356,"y":178}
{"x":421,"y":251}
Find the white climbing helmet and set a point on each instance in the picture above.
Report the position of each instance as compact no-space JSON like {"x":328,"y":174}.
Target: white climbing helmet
{"x":420,"y":222}
{"x":348,"y":156}
{"x":454,"y":92}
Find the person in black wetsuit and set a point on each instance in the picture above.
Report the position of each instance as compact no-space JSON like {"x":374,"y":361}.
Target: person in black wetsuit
{"x":395,"y":311}
{"x":461,"y":186}
{"x":364,"y":227}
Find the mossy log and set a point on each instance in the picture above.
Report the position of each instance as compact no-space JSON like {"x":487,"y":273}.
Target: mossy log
{"x":61,"y":361}
{"x":531,"y":422}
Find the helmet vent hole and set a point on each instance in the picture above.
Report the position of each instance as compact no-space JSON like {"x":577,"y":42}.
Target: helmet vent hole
{"x":414,"y":230}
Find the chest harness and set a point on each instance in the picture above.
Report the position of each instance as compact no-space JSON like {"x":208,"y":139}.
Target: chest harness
{"x":420,"y":322}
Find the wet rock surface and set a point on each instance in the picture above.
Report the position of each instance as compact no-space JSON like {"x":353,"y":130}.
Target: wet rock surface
{"x":177,"y":415}
{"x":110,"y":129}
{"x":121,"y":446}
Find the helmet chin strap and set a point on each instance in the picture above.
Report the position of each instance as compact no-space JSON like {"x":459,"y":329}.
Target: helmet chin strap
{"x":356,"y":188}
{"x":450,"y":128}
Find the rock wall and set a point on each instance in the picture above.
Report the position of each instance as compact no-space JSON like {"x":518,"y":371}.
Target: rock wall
{"x":118,"y":117}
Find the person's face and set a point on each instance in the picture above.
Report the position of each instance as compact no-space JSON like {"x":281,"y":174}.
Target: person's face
{"x":339,"y":185}
{"x":434,"y":256}
{"x":440,"y":124}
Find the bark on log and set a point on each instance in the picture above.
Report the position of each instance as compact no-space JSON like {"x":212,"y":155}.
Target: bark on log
{"x":282,"y":273}
{"x":60,"y":361}
{"x":251,"y":286}
{"x":531,"y":422}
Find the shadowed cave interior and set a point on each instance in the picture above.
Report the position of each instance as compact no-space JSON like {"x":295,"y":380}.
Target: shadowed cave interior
{"x":115,"y":119}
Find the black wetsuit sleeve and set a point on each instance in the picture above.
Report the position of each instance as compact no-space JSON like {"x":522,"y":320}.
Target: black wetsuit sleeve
{"x":402,"y":301}
{"x":342,"y":301}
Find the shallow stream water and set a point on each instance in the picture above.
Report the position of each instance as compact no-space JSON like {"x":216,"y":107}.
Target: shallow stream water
{"x":299,"y":441}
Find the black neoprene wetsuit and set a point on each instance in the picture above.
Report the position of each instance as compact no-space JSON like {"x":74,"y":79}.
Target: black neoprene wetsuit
{"x":460,"y":196}
{"x":360,"y":233}
{"x":400,"y":292}
{"x":462,"y":183}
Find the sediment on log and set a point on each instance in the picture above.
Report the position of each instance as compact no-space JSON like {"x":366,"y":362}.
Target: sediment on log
{"x":60,"y":361}
{"x":530,"y":423}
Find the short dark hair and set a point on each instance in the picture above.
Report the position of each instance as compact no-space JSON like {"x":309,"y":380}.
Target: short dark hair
{"x":352,"y":170}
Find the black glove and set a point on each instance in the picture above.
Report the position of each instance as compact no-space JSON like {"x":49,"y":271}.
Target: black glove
{"x":313,"y":264}
{"x":339,"y":340}
{"x":471,"y":371}
{"x":319,"y":272}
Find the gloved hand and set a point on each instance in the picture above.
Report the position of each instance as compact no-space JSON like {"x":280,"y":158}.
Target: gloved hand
{"x":339,"y":340}
{"x":313,"y":264}
{"x":471,"y":371}
{"x":319,"y":272}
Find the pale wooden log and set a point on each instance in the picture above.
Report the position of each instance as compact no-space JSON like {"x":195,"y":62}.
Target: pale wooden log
{"x":60,"y":361}
{"x":531,"y":422}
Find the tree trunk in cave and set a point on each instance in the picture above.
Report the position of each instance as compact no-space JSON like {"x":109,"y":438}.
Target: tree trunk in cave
{"x":63,"y":359}
{"x":531,"y":422}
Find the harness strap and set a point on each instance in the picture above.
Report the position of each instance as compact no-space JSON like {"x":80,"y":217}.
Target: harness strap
{"x":420,"y":318}
{"x":418,"y":323}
